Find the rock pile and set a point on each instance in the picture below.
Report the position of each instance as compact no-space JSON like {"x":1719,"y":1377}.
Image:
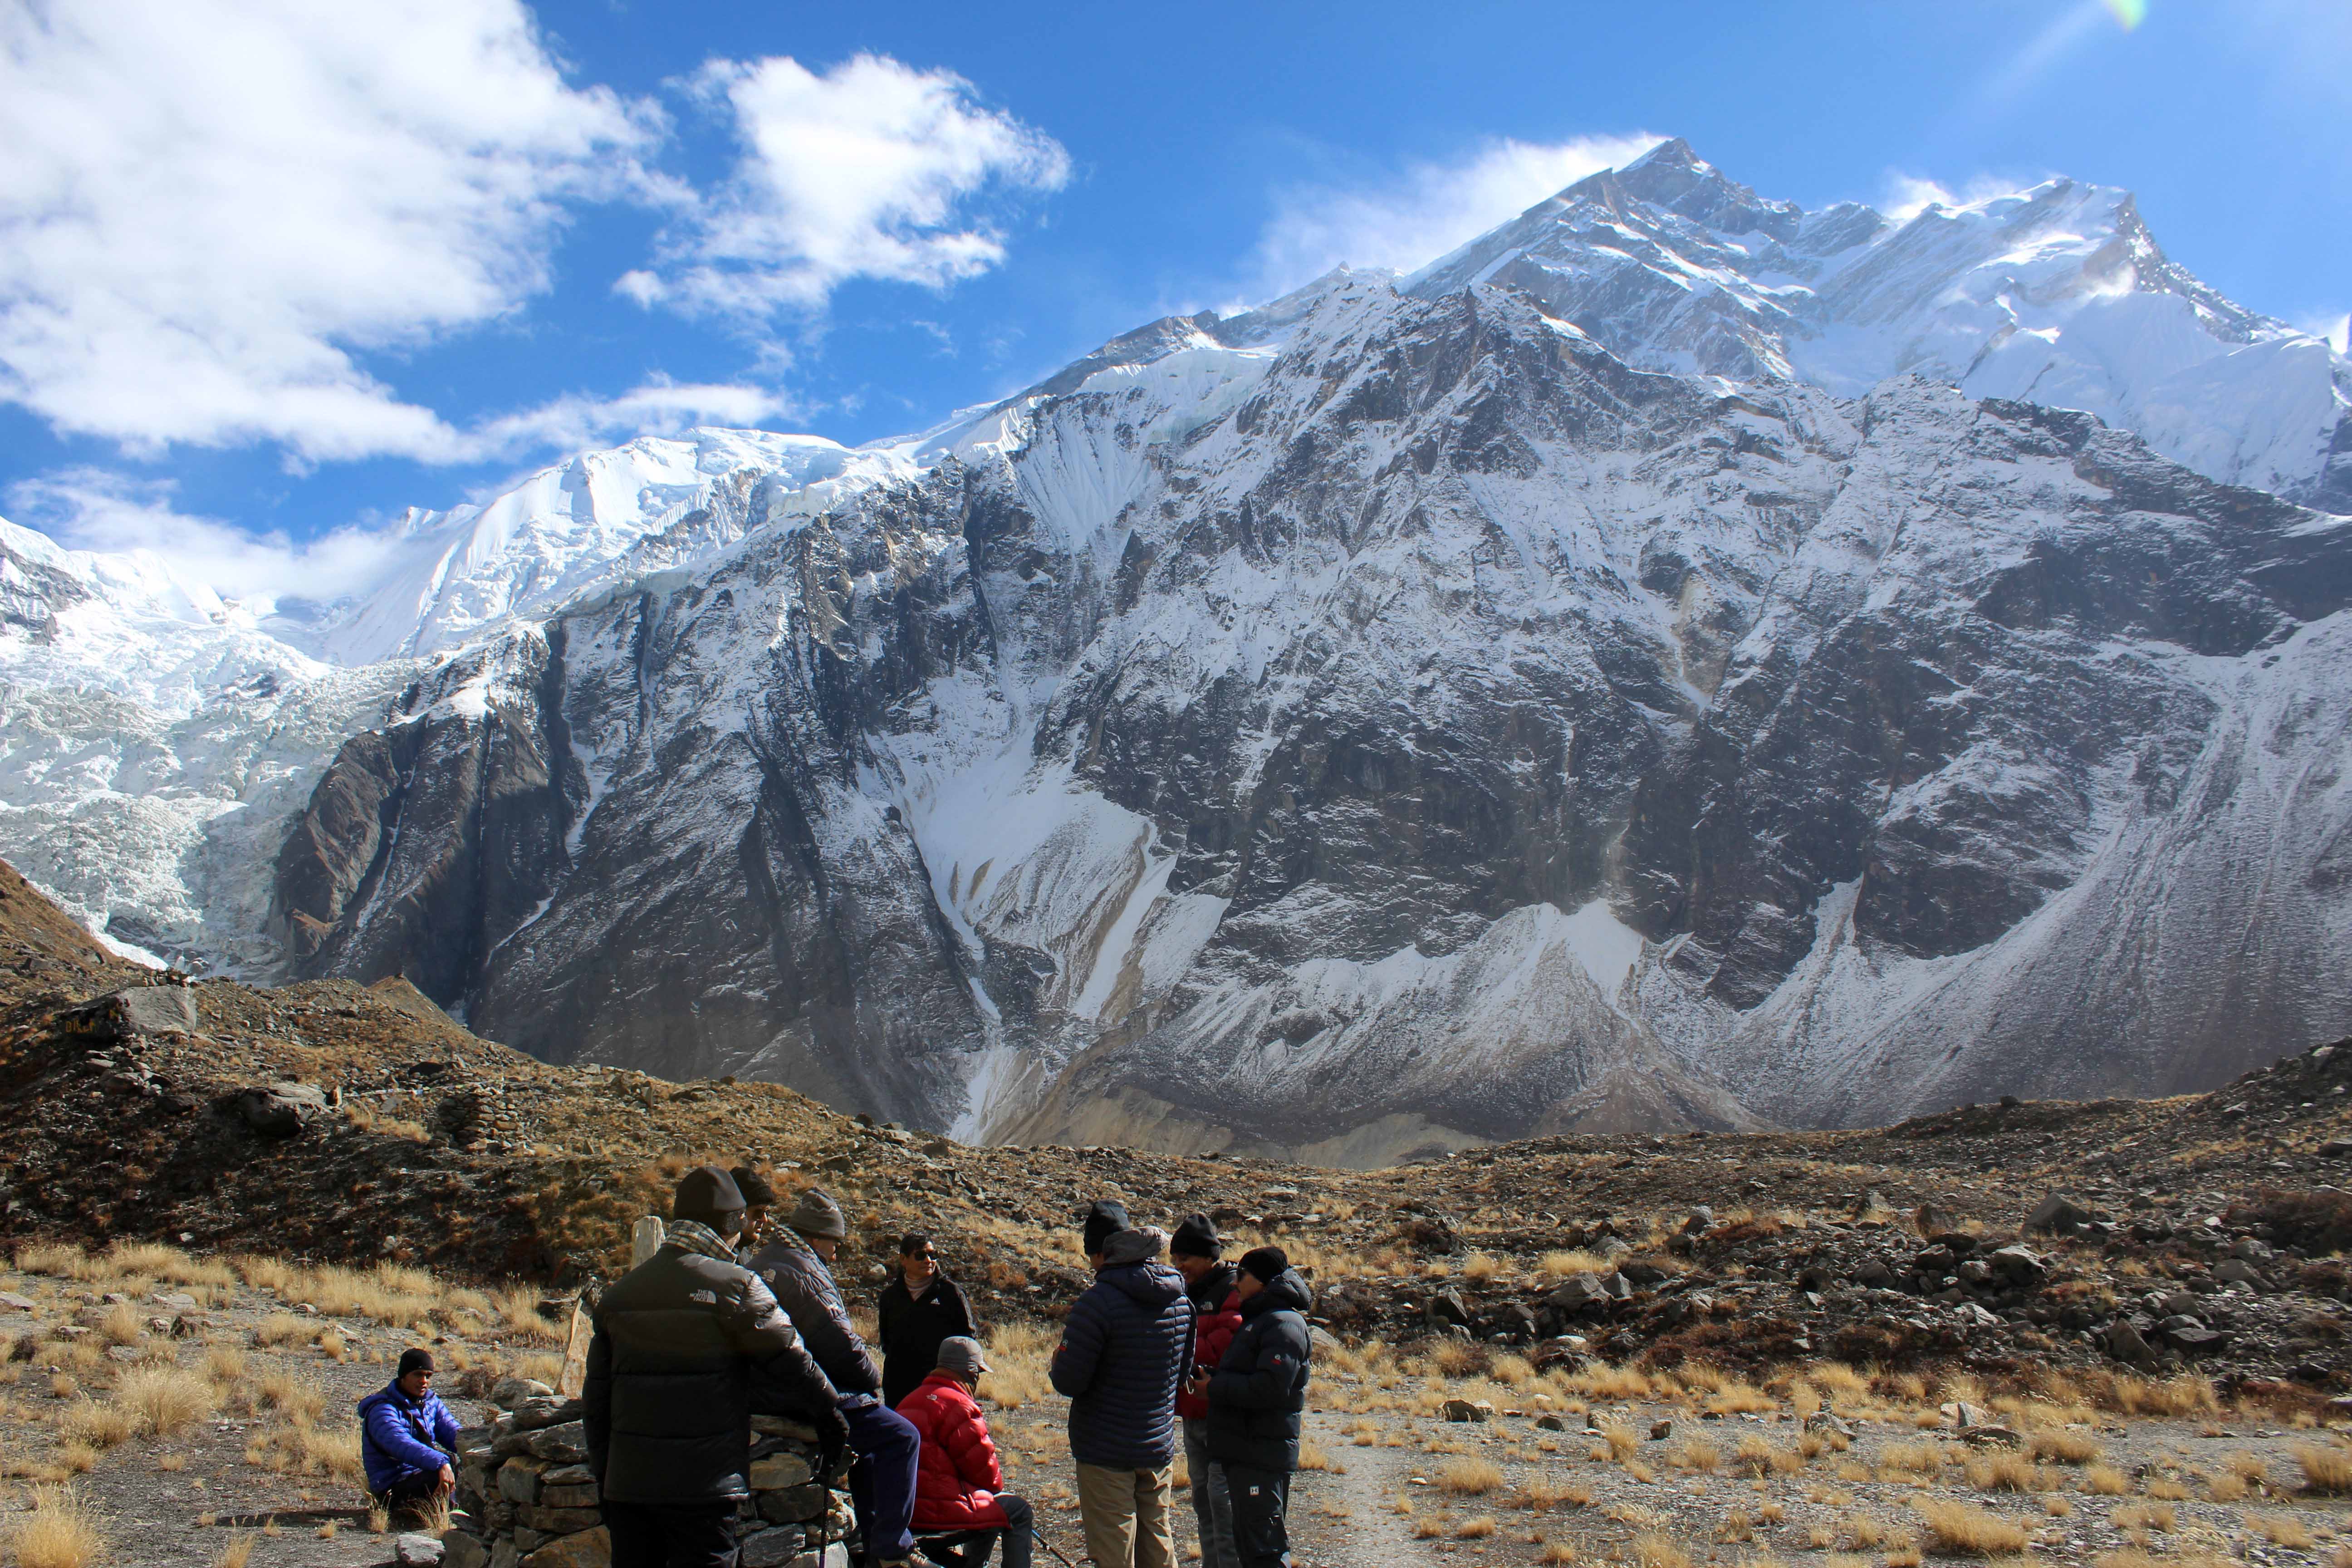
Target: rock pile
{"x":530,"y":1501}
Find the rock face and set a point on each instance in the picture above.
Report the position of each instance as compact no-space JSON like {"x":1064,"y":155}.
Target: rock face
{"x":1410,"y":716}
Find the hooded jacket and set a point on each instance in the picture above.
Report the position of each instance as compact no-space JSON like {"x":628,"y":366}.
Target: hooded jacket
{"x":1216,"y":1317}
{"x":400,"y":1436}
{"x":957,"y":1485}
{"x":686,"y":1347}
{"x":804,"y":1287}
{"x":1259,"y":1388}
{"x":1124,"y":1353}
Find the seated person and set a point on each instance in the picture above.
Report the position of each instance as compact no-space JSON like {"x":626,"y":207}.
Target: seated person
{"x":959,"y":1486}
{"x":407,"y":1436}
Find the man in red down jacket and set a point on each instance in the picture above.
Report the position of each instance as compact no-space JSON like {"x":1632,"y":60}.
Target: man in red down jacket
{"x":1216,"y":1317}
{"x":960,"y":1485}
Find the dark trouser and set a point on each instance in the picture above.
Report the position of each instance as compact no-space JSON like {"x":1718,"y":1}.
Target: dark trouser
{"x":882,"y":1481}
{"x":970,"y":1549}
{"x":647,"y":1536}
{"x":1213,"y":1511}
{"x":1260,"y":1498}
{"x":418,"y":1486}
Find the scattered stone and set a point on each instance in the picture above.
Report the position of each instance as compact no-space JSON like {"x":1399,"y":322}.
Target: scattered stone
{"x":418,"y":1551}
{"x":1468,"y":1410}
{"x":1661,"y":1430}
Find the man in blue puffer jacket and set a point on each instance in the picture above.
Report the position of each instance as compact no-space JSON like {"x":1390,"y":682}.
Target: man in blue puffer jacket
{"x":1124,"y":1351}
{"x":407,"y":1436}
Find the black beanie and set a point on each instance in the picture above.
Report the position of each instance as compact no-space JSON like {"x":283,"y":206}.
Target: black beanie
{"x":757,"y":1193}
{"x":414,"y":1360}
{"x":1104,"y":1219}
{"x":1196,"y":1238}
{"x":1264,"y":1263}
{"x":704,"y":1194}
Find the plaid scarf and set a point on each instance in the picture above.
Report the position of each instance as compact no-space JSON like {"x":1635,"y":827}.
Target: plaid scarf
{"x":695,"y":1236}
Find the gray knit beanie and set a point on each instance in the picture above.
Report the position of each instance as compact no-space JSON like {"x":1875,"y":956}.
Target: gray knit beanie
{"x":817,"y":1214}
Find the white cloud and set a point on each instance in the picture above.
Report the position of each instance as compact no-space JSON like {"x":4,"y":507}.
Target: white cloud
{"x":872,"y":169}
{"x":1427,"y":211}
{"x":88,"y":508}
{"x":657,"y":408}
{"x":207,"y":206}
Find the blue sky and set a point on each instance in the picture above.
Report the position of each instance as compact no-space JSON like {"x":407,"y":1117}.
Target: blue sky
{"x":271,"y":269}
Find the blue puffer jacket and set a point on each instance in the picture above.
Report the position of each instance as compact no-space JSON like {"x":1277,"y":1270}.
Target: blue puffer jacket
{"x":1124,"y":1352}
{"x":400,"y":1436}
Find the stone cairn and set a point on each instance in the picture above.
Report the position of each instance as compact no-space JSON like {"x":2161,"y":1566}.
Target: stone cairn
{"x":530,"y":1501}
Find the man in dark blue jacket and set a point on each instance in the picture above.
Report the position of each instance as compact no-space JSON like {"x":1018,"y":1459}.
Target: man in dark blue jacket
{"x":1123,"y":1353}
{"x":407,"y":1436}
{"x":1256,"y":1398}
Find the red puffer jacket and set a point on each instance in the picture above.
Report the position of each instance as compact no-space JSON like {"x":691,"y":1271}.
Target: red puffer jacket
{"x":1216,"y":1318}
{"x":957,"y":1486}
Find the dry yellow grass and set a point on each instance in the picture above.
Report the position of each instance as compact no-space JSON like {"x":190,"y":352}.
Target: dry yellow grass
{"x":2007,"y":1472}
{"x":1653,"y":1548}
{"x":1018,"y":1355}
{"x":1468,"y":1477}
{"x":1556,"y":1553}
{"x":2190,"y":1394}
{"x":1474,"y":1529}
{"x":2325,"y":1469}
{"x":281,"y":1329}
{"x":1698,"y":1454}
{"x":2105,"y":1480}
{"x":97,"y":1424}
{"x":58,"y":1533}
{"x":237,"y":1554}
{"x":2281,"y":1530}
{"x":2065,"y":1444}
{"x":1481,"y":1266}
{"x":1546,"y":1492}
{"x":164,"y":1399}
{"x":1561,"y":1265}
{"x":1919,"y":1458}
{"x":2143,"y":1516}
{"x":1970,"y":1531}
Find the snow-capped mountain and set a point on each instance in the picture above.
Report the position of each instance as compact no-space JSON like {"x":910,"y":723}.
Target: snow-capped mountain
{"x":1635,"y":672}
{"x":2057,"y":295}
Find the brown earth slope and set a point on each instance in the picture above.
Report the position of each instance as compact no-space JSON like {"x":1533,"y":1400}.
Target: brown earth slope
{"x":2206,"y":1234}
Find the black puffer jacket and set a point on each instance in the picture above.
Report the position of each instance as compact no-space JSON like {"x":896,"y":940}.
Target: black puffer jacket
{"x":804,"y":1286}
{"x":686,"y":1349}
{"x":1258,"y":1391}
{"x":1124,"y":1351}
{"x":912,"y":1328}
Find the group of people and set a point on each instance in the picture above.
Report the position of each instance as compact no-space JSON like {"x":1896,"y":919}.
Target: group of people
{"x":728,"y":1319}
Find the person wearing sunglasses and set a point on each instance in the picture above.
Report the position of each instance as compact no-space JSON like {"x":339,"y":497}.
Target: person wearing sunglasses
{"x":922,"y":1309}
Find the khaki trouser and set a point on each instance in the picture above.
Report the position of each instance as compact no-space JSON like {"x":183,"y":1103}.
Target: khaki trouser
{"x":1126,"y":1516}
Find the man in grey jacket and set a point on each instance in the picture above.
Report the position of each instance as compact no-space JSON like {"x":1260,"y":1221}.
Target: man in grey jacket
{"x":796,"y":1266}
{"x":687,"y":1345}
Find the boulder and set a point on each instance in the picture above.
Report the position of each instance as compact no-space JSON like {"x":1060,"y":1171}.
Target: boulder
{"x":1467,"y":1410}
{"x":2125,"y":1344}
{"x":1577,"y":1293}
{"x":280,"y":1109}
{"x":584,"y":1549}
{"x":459,"y":1550}
{"x":419,"y":1551}
{"x":2057,"y":1216}
{"x":133,"y":1011}
{"x":510,"y":1392}
{"x":2238,"y":1271}
{"x":778,"y":1471}
{"x":2018,"y":1266}
{"x":770,"y":1548}
{"x":568,"y":1442}
{"x":1552,"y":1423}
{"x":1661,"y":1430}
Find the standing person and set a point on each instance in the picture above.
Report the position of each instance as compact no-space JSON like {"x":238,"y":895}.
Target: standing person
{"x":686,"y":1345}
{"x":1256,"y":1397}
{"x":1216,"y":1315}
{"x":796,"y":1265}
{"x":961,"y":1486}
{"x":1123,"y":1354}
{"x":407,"y":1436}
{"x":921,"y":1311}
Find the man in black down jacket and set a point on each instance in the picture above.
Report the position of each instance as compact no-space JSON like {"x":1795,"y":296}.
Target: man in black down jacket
{"x":797,"y":1266}
{"x":1256,"y":1397}
{"x":686,"y":1346}
{"x":1124,"y":1351}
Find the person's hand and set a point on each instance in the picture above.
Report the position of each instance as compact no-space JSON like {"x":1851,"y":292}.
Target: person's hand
{"x":1198,"y":1384}
{"x":446,"y":1484}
